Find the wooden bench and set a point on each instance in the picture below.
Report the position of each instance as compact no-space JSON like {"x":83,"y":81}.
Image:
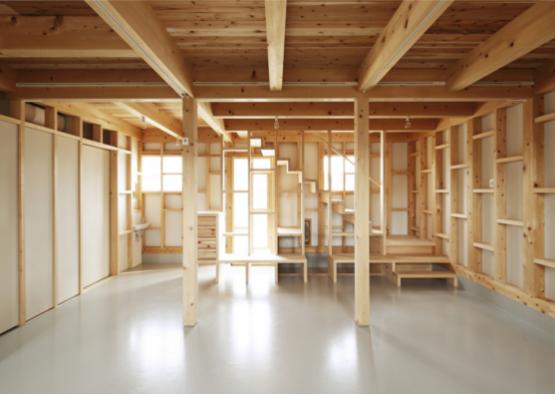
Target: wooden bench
{"x":400,"y":259}
{"x":266,"y":260}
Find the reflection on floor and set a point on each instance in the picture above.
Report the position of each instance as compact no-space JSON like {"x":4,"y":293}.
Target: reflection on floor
{"x":125,"y":336}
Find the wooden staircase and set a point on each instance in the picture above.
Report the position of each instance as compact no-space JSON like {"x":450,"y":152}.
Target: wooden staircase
{"x":415,"y":258}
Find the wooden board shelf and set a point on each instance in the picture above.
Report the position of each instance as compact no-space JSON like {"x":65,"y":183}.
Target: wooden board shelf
{"x":482,"y":135}
{"x":549,"y":263}
{"x":482,"y":191}
{"x":459,"y":215}
{"x":544,"y":190}
{"x":459,"y":166}
{"x":510,"y":222}
{"x":545,"y":118}
{"x":483,"y":246}
{"x":509,"y":159}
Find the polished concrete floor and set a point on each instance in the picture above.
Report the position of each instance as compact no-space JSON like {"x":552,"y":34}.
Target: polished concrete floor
{"x":125,"y":336}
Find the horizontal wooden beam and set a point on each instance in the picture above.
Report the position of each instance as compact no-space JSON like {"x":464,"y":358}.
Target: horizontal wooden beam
{"x":292,"y":75}
{"x":96,"y":93}
{"x":416,"y":125}
{"x":408,"y":24}
{"x":60,"y":37}
{"x":7,"y":79}
{"x":153,"y":116}
{"x":138,"y":25}
{"x":204,"y":111}
{"x":528,"y":31}
{"x":246,"y":93}
{"x":243,"y":93}
{"x":340,"y":110}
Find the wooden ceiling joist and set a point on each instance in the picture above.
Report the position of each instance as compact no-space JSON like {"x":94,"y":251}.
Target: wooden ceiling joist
{"x":60,"y":37}
{"x":330,"y":124}
{"x":339,"y":110}
{"x":206,"y":114}
{"x":137,"y":24}
{"x":408,"y":24}
{"x":275,"y":11}
{"x":154,"y":117}
{"x":528,"y":31}
{"x":407,"y":93}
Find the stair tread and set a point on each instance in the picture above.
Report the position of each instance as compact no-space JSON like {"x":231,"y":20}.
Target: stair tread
{"x":426,"y":274}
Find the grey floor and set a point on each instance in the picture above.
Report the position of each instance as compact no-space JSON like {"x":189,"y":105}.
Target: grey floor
{"x":125,"y":336}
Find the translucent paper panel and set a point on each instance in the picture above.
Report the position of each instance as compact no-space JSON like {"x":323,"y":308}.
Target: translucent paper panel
{"x":151,"y":173}
{"x":240,"y":210}
{"x":173,"y":183}
{"x":240,"y":174}
{"x":337,"y":173}
{"x":261,"y":164}
{"x":172,"y":164}
{"x":260,"y":231}
{"x":260,"y":191}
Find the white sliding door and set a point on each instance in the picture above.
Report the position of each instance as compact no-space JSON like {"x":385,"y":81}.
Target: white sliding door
{"x":8,"y":226}
{"x":96,"y":214}
{"x":38,"y":184}
{"x":67,"y":217}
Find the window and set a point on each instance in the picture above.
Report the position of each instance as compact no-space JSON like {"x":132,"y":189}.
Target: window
{"x":151,"y":171}
{"x":342,"y":173}
{"x":162,"y":173}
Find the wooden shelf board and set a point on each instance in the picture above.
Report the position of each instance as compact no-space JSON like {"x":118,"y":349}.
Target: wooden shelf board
{"x":482,"y":135}
{"x":509,"y":159}
{"x":550,"y":263}
{"x":511,"y":222}
{"x":483,"y":246}
{"x":545,"y":118}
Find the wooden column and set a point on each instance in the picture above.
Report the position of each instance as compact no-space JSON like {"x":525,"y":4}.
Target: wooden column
{"x":17,"y":110}
{"x":533,"y":141}
{"x":190,"y":285}
{"x":500,"y":199}
{"x":362,"y":217}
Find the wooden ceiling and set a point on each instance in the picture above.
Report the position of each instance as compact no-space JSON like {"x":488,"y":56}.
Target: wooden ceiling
{"x":225,"y":42}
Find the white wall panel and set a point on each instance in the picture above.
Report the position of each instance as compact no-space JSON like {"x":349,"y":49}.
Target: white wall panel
{"x":8,"y":226}
{"x":38,"y":222}
{"x":67,"y":217}
{"x":96,"y":218}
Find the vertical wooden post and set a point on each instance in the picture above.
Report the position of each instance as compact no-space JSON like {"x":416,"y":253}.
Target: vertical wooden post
{"x":329,"y":218}
{"x":383,"y":216}
{"x":469,"y":159}
{"x":228,"y":203}
{"x":500,"y":202}
{"x":454,"y":174}
{"x":362,"y":217}
{"x":17,"y":109}
{"x":114,"y":214}
{"x":533,"y":137}
{"x":190,"y":285}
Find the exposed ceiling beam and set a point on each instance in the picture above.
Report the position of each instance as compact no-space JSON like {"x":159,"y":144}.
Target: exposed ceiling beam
{"x":340,"y":110}
{"x":7,"y":79}
{"x":275,"y":38}
{"x":206,"y":114}
{"x":330,"y":124}
{"x":528,"y":31}
{"x":245,"y":93}
{"x":203,"y":75}
{"x":137,"y":24}
{"x":60,"y":37}
{"x":408,"y":24}
{"x":153,"y":116}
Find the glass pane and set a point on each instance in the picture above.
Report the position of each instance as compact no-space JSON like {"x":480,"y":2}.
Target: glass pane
{"x":172,"y":164}
{"x":173,"y":183}
{"x":151,"y":173}
{"x":241,"y":245}
{"x":261,"y":164}
{"x":260,"y":191}
{"x":349,"y":182}
{"x":260,"y":231}
{"x":337,"y":173}
{"x":240,"y":174}
{"x":349,"y":165}
{"x":325,"y":166}
{"x":240,"y":210}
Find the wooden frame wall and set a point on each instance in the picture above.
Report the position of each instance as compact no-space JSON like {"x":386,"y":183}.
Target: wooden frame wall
{"x":99,"y":138}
